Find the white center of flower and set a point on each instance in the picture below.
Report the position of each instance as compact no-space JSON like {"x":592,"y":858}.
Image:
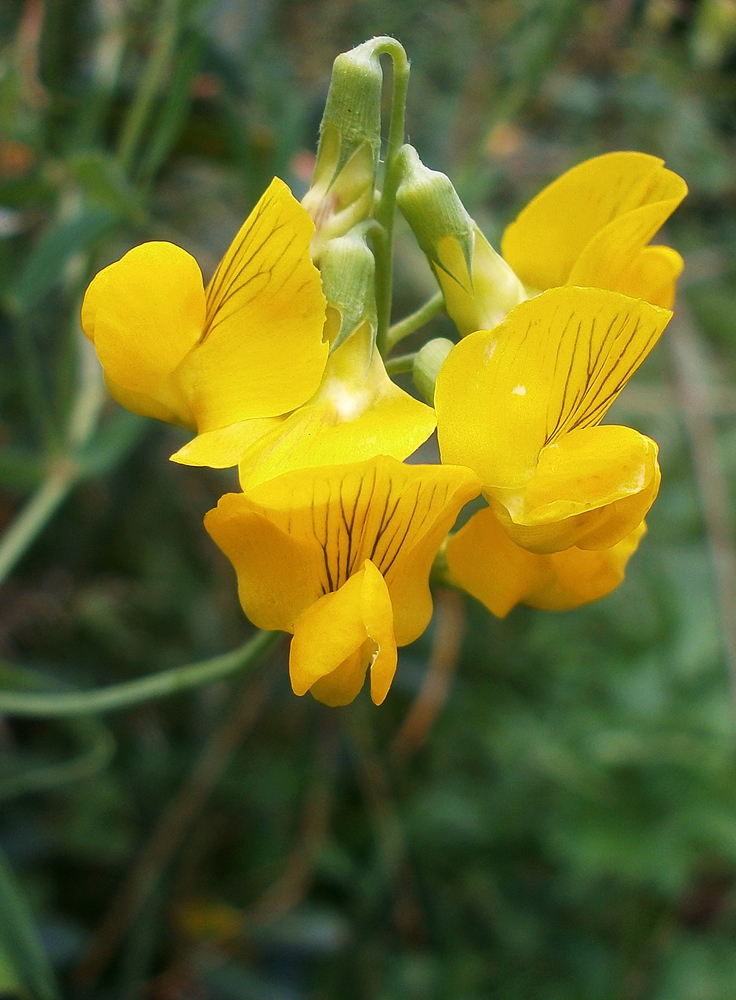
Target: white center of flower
{"x":519,"y":390}
{"x":348,"y":405}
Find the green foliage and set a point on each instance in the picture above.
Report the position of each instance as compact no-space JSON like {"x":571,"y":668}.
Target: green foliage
{"x":24,"y":966}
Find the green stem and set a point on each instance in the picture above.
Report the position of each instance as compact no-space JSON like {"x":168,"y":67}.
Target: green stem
{"x":166,"y":34}
{"x":89,"y":398}
{"x":97,"y":749}
{"x":397,"y":366}
{"x":414,"y":321}
{"x":159,"y":685}
{"x":32,"y":384}
{"x":64,"y":471}
{"x":36,"y":513}
{"x":385,"y":212}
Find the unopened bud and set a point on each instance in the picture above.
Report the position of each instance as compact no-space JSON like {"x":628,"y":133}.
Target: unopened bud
{"x":343,"y":187}
{"x":478,"y":285}
{"x":431,"y":206}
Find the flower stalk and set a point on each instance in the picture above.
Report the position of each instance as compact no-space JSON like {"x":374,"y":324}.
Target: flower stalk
{"x":40,"y":704}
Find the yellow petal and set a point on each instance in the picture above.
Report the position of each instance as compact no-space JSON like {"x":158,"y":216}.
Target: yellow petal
{"x":168,"y":406}
{"x":483,"y":560}
{"x":591,"y":488}
{"x":555,"y":364}
{"x":551,"y":233}
{"x":358,"y":413}
{"x":614,"y":253}
{"x":315,"y":436}
{"x":345,"y":681}
{"x":224,"y":447}
{"x":327,"y":634}
{"x":278,"y":573}
{"x":481,"y":302}
{"x":144,"y":314}
{"x":340,"y":636}
{"x":392,"y":514}
{"x":262,"y":353}
{"x":652,"y":276}
{"x":583,"y":575}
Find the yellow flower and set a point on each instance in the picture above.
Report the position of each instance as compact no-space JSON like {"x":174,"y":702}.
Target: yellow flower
{"x":249,"y":346}
{"x":356,"y":414}
{"x":592,"y":226}
{"x":521,"y":405}
{"x":340,"y":557}
{"x":483,"y":560}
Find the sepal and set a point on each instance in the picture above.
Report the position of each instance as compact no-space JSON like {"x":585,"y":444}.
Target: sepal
{"x":431,"y":205}
{"x":348,"y":272}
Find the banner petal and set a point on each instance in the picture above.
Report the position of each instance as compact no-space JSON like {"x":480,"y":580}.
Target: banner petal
{"x":262,"y":353}
{"x":555,"y":364}
{"x":549,"y":235}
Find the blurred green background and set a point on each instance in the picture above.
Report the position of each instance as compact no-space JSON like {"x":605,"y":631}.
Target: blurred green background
{"x":554,"y":817}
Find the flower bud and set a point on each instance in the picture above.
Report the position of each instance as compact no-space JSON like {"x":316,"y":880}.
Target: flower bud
{"x":344,"y":180}
{"x":427,"y":364}
{"x":478,"y":285}
{"x":431,"y":206}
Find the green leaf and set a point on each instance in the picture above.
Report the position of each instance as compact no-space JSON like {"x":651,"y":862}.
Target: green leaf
{"x":19,"y":943}
{"x":173,"y":115}
{"x":21,"y":469}
{"x":10,"y":984}
{"x":112,"y":443}
{"x":103,"y":181}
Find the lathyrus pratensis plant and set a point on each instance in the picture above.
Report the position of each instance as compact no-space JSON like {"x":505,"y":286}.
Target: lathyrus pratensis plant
{"x":278,"y":366}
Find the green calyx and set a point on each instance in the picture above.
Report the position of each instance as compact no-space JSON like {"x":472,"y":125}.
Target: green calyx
{"x":431,"y":205}
{"x":348,"y":270}
{"x":353,"y":108}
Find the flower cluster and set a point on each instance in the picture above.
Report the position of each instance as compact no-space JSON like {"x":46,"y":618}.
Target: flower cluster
{"x":277,"y":366}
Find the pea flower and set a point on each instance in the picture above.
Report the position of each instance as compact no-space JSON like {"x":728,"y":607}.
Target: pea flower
{"x":592,"y":226}
{"x":356,"y":413}
{"x":340,"y":557}
{"x":521,"y":406}
{"x":249,"y":346}
{"x":482,"y":559}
